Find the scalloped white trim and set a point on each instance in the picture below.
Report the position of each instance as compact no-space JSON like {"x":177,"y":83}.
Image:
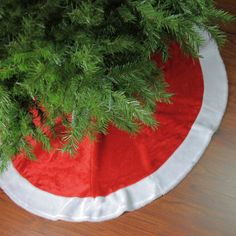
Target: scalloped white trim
{"x":146,"y":190}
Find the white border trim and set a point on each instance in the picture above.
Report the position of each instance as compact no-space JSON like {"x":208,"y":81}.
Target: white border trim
{"x":155,"y":185}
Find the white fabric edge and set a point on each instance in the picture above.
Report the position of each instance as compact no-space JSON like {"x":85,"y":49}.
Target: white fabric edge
{"x":77,"y":209}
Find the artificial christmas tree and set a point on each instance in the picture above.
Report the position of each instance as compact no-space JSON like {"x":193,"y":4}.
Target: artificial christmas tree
{"x":92,"y":60}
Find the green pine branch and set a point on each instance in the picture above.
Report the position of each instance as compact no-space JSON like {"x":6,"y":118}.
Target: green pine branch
{"x":90,"y":59}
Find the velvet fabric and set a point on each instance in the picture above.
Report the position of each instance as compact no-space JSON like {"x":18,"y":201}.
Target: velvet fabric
{"x":117,"y":160}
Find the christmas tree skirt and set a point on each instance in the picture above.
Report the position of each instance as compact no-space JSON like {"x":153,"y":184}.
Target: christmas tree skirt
{"x":121,"y":172}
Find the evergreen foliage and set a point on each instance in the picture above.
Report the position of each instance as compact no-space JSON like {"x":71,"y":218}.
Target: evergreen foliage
{"x":90,"y":59}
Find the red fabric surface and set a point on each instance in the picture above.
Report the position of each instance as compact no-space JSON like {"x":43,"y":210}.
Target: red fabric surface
{"x":118,"y":159}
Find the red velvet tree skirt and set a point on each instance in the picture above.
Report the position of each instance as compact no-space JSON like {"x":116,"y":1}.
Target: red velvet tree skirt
{"x":121,"y":172}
